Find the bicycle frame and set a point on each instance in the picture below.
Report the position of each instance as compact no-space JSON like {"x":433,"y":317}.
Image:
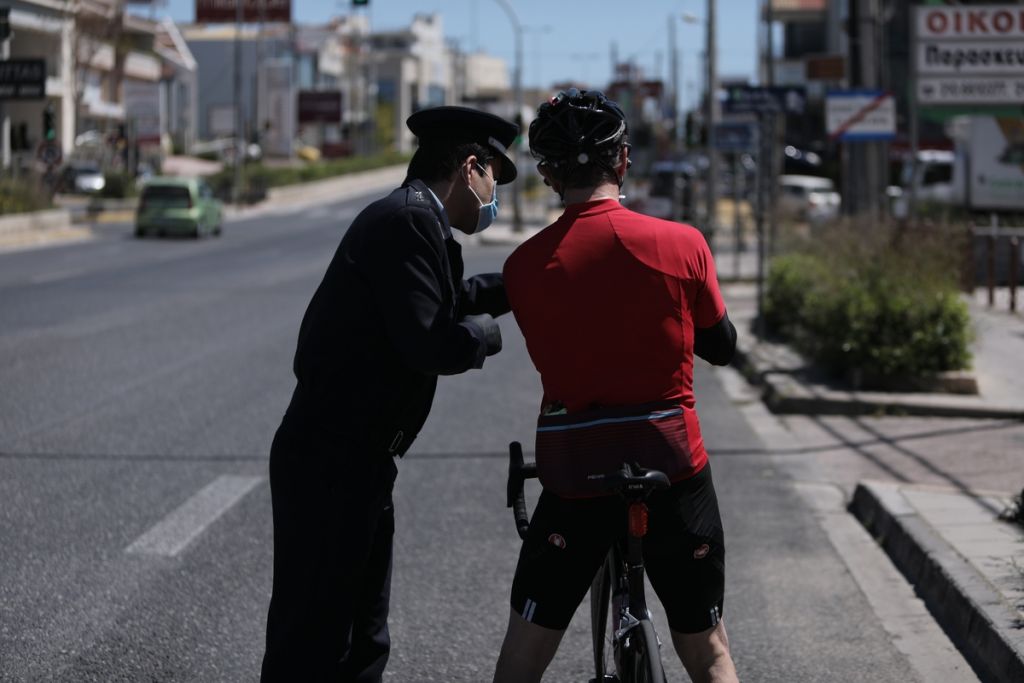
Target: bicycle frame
{"x":620,"y":581}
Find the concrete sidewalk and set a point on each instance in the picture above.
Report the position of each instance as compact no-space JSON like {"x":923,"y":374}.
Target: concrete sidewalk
{"x":937,"y":511}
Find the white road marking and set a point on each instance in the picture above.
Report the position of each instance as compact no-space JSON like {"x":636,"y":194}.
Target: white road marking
{"x":179,"y":528}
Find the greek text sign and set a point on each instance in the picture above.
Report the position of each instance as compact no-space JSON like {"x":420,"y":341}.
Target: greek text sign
{"x":975,"y":22}
{"x":974,"y":90}
{"x":971,"y":57}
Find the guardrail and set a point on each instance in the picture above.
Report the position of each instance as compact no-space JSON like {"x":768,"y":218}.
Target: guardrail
{"x":992,"y":236}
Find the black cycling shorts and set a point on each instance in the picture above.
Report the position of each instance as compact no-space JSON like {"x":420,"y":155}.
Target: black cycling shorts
{"x":684,"y":554}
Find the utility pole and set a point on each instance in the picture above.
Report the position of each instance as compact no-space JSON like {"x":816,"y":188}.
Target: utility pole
{"x":239,"y":123}
{"x":517,"y":87}
{"x":712,"y":120}
{"x":5,"y":118}
{"x":677,"y":121}
{"x":865,"y":162}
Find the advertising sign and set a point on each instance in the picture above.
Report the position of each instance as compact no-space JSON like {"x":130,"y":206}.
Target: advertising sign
{"x":142,"y":108}
{"x":860,"y":115}
{"x":253,"y":11}
{"x":969,"y":54}
{"x":997,"y":162}
{"x":23,"y":79}
{"x":319,"y":106}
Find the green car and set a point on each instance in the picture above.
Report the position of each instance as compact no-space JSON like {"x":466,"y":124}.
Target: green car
{"x":178,"y":206}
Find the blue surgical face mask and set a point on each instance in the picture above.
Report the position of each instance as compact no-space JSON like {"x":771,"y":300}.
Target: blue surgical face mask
{"x":489,"y":211}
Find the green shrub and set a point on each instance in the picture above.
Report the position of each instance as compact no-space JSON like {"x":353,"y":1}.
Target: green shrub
{"x":871,"y":306}
{"x":21,"y":195}
{"x":118,"y":185}
{"x":257,"y":178}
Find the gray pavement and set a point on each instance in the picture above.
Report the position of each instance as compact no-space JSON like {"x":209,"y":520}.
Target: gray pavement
{"x":930,"y":481}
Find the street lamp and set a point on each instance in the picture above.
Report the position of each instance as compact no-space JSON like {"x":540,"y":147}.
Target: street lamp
{"x":517,"y":86}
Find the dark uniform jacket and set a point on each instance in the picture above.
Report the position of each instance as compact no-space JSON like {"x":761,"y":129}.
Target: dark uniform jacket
{"x":386,"y":321}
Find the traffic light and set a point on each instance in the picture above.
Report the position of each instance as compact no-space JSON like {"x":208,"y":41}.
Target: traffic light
{"x":360,"y":3}
{"x":49,"y":124}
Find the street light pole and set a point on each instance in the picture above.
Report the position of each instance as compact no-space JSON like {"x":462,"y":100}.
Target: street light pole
{"x":517,"y":87}
{"x":712,"y":120}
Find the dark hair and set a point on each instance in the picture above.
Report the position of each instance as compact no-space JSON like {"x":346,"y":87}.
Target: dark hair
{"x":437,"y":159}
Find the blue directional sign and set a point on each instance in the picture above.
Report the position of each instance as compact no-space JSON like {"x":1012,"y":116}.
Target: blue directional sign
{"x":748,"y":99}
{"x":736,"y":136}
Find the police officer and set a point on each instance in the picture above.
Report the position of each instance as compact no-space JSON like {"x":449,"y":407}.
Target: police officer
{"x":392,"y":313}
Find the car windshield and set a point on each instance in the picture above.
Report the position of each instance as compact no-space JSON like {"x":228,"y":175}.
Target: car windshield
{"x":166,"y":196}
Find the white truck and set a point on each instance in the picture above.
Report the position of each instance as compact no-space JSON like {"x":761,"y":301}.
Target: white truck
{"x":984,"y":172}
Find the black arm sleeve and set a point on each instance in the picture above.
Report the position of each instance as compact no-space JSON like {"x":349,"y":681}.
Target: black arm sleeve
{"x":716,"y":344}
{"x":484,"y":294}
{"x":408,"y":282}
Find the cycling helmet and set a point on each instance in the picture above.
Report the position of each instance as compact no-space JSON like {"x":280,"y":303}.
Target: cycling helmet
{"x":577,"y":127}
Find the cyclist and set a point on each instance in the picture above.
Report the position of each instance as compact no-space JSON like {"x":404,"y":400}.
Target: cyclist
{"x":613,"y":306}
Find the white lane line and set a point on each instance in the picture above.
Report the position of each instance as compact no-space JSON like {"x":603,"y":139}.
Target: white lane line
{"x":57,"y":276}
{"x":179,"y":528}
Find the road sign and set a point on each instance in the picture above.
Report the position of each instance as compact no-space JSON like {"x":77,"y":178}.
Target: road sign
{"x":736,"y":136}
{"x":969,"y":55}
{"x":860,"y":115}
{"x":49,"y":153}
{"x":747,"y":99}
{"x":23,"y":79}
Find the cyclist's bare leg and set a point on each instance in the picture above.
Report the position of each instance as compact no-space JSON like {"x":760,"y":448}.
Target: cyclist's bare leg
{"x":706,"y":655}
{"x":526,"y":652}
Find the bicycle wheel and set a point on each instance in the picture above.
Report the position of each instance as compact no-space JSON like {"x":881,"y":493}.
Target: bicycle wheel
{"x":600,"y":592}
{"x":640,"y":661}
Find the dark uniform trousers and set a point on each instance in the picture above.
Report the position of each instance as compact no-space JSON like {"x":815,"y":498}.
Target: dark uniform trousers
{"x":333,"y":530}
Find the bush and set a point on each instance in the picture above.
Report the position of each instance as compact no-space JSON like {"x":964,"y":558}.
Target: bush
{"x":873,"y":308}
{"x":259,"y":178}
{"x":21,"y":195}
{"x":118,"y":185}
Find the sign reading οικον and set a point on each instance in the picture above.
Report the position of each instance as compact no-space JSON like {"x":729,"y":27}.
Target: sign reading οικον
{"x":969,"y":54}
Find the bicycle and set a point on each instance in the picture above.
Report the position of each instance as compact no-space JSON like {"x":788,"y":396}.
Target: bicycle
{"x":619,"y":584}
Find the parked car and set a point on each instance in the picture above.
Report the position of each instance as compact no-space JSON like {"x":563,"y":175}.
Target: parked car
{"x":178,"y":206}
{"x":81,"y":177}
{"x":808,"y":198}
{"x":660,"y":195}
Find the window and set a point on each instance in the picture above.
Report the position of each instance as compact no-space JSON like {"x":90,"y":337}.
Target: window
{"x":166,"y":196}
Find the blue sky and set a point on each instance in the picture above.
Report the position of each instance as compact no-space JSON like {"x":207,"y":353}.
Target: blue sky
{"x":564,"y":39}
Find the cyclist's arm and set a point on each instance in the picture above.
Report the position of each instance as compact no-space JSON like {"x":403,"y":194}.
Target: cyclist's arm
{"x":716,"y":344}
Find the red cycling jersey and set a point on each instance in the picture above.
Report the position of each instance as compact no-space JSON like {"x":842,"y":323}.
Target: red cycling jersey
{"x":607,"y":300}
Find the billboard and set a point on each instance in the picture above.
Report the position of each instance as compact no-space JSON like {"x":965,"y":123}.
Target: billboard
{"x":997,"y":162}
{"x":969,"y":54}
{"x":142,"y":108}
{"x":253,"y":11}
{"x":23,"y":79}
{"x":319,"y":106}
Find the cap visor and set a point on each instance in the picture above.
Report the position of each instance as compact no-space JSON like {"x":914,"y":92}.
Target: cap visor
{"x":508,"y":169}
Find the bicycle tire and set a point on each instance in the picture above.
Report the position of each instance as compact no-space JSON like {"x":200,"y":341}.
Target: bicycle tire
{"x":600,"y":594}
{"x":641,"y":661}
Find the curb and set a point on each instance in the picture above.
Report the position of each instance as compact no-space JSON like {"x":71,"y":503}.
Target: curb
{"x":785,"y":394}
{"x":963,"y":603}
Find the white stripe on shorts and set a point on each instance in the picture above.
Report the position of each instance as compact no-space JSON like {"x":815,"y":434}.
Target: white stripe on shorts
{"x":531,"y":606}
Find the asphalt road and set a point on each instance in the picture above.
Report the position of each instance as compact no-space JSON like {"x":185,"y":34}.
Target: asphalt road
{"x":142,"y":381}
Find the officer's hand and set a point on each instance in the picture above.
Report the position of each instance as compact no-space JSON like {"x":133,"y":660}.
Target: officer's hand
{"x":489,"y":328}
